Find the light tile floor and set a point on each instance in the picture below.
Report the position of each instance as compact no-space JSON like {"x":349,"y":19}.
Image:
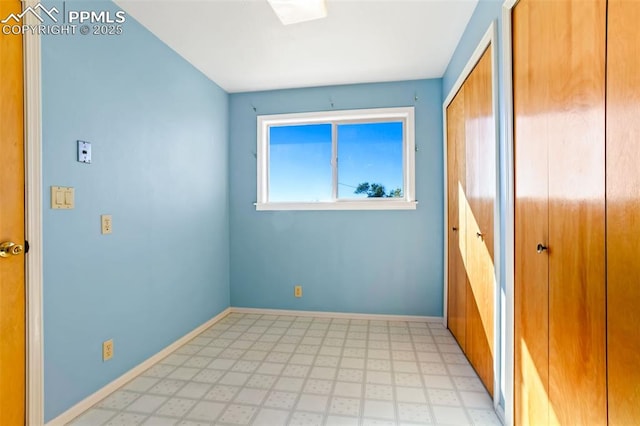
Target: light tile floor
{"x":284,"y":370}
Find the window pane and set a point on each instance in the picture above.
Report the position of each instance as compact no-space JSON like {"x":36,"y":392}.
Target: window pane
{"x":370,"y":160}
{"x":300,"y":163}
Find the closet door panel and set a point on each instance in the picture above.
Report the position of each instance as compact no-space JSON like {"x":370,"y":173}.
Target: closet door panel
{"x":577,"y":281}
{"x":457,"y":287}
{"x":559,"y":53}
{"x":471,"y":204}
{"x":623,"y":212}
{"x":480,"y":167}
{"x":531,"y":98}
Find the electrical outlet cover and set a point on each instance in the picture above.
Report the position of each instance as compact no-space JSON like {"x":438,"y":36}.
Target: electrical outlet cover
{"x":106,"y":224}
{"x":107,"y":350}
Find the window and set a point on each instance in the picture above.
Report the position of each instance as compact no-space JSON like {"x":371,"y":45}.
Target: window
{"x":337,"y":160}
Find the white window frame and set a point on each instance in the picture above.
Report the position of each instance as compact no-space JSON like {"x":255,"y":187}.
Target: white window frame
{"x":404,"y":114}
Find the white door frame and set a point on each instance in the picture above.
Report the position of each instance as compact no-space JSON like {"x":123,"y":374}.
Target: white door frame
{"x":33,"y":226}
{"x":487,"y":40}
{"x":509,"y":214}
{"x":507,"y":168}
{"x":509,"y":173}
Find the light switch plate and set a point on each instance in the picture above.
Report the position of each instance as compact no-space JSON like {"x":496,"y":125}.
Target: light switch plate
{"x":62,"y":197}
{"x":84,"y":152}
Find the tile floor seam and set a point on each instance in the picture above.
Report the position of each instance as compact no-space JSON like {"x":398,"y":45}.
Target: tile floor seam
{"x":331,"y":393}
{"x":432,"y":413}
{"x":394,"y":391}
{"x":291,"y":412}
{"x":363,"y":392}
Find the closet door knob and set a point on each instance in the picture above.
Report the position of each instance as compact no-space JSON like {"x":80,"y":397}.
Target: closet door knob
{"x":454,"y":229}
{"x":480,"y":235}
{"x":541,"y":248}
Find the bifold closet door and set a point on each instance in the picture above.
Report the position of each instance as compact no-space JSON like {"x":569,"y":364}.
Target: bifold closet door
{"x":457,"y":276}
{"x":623,"y":212}
{"x":559,"y":137}
{"x":480,"y":196}
{"x":577,"y":263}
{"x":531,"y":292}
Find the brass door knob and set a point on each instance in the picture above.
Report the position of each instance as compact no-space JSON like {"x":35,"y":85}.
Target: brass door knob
{"x":541,"y":248}
{"x":9,"y":248}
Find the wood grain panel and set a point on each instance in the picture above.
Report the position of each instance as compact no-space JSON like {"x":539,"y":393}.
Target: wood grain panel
{"x":12,"y":291}
{"x":559,"y":111}
{"x":457,"y":286}
{"x":577,"y":278}
{"x":531,"y":270}
{"x":469,"y":201}
{"x":480,"y":179}
{"x":623,"y":212}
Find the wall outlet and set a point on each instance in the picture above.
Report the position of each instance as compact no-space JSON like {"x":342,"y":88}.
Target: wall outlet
{"x":297,"y":291}
{"x":107,"y":225}
{"x":107,"y":350}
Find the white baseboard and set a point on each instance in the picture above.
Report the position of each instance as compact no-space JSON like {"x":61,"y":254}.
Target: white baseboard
{"x":102,"y":393}
{"x":346,"y":315}
{"x":500,"y":413}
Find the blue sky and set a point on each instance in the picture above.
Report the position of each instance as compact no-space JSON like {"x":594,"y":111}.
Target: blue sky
{"x":300,"y":160}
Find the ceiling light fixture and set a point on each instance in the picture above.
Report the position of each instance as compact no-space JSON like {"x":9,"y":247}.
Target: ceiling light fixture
{"x":295,"y":11}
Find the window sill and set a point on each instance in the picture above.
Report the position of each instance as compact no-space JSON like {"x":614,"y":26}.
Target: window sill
{"x":340,"y":205}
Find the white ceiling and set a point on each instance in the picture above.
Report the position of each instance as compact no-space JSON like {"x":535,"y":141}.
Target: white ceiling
{"x":242,"y":46}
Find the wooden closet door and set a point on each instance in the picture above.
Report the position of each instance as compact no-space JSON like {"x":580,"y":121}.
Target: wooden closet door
{"x":577,"y":278}
{"x":531,"y":269}
{"x":559,"y":53}
{"x":457,"y":280}
{"x":480,"y":177}
{"x":623,"y":211}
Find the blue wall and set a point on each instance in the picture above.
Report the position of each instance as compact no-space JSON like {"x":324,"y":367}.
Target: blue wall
{"x":387,"y":262}
{"x":486,"y":12}
{"x":159,"y":135}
